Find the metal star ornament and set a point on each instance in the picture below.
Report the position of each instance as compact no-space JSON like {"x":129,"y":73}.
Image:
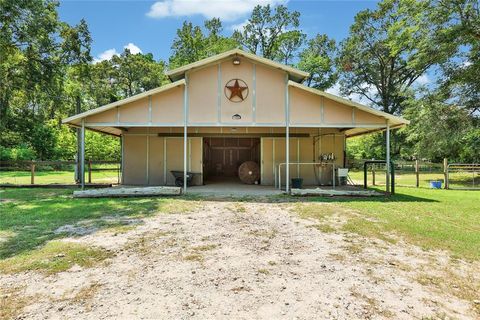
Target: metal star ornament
{"x":237,"y":89}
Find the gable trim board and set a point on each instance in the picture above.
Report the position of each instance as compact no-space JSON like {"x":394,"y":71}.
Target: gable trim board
{"x":178,"y":73}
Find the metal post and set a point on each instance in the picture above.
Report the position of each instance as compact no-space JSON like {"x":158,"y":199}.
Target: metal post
{"x":185,"y":117}
{"x":388,"y":156}
{"x":82,"y":154}
{"x":445,"y":171}
{"x":373,"y":174}
{"x":287,"y":137}
{"x":78,"y":109}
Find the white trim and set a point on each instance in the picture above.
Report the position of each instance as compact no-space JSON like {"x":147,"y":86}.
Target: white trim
{"x":82,"y":154}
{"x":387,"y":158}
{"x":261,"y":160}
{"x":149,"y":109}
{"x":122,"y":161}
{"x":287,"y":136}
{"x":185,"y":115}
{"x":254,"y":94}
{"x":219,"y":94}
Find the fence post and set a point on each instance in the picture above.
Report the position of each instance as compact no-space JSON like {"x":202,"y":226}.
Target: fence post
{"x":445,"y":171}
{"x":417,"y":173}
{"x":32,"y":170}
{"x":89,"y":171}
{"x":373,"y":174}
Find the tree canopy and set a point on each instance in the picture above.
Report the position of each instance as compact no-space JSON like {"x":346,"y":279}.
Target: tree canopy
{"x":48,"y":73}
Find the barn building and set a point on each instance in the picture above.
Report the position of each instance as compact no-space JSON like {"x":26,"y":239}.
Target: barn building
{"x":228,"y":109}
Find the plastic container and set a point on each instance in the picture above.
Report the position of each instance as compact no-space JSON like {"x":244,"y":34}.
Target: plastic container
{"x":436,"y":184}
{"x":297,"y":183}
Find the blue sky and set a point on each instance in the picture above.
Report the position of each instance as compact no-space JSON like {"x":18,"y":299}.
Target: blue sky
{"x":150,"y":26}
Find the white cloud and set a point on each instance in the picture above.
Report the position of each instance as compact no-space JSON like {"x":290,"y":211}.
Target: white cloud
{"x":227,"y":10}
{"x":239,"y":26}
{"x":106,"y":55}
{"x":133,"y":48}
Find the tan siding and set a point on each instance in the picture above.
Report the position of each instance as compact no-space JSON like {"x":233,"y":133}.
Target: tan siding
{"x":304,"y":107}
{"x":167,"y":107}
{"x":203,"y":95}
{"x":135,"y":112}
{"x":270,"y":95}
{"x":335,"y":112}
{"x":107,"y":116}
{"x":196,"y":163}
{"x":135,"y":159}
{"x":362,"y":117}
{"x":156,"y":162}
{"x":228,"y":108}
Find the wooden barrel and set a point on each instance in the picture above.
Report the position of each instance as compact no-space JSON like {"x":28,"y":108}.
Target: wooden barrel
{"x":249,"y":172}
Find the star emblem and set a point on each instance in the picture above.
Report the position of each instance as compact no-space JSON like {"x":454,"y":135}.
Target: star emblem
{"x":237,"y":88}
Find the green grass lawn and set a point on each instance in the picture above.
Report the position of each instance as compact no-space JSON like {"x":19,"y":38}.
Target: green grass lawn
{"x":30,"y":218}
{"x":49,"y":177}
{"x":432,"y":219}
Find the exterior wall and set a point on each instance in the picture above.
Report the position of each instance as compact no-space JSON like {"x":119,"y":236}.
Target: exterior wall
{"x":307,"y":108}
{"x":164,"y":154}
{"x":208,"y":104}
{"x":164,"y":108}
{"x":302,"y":150}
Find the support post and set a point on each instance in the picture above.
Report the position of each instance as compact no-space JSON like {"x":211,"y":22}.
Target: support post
{"x":32,"y":170}
{"x":388,"y":156}
{"x":89,"y":171}
{"x":417,"y":173}
{"x":82,"y":154}
{"x":185,"y":117}
{"x":287,"y":137}
{"x":445,"y":172}
{"x":78,"y":109}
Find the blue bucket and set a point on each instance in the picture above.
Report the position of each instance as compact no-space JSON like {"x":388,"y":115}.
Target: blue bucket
{"x":436,"y":184}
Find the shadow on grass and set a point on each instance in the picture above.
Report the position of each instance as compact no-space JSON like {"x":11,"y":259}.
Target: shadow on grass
{"x":31,"y":217}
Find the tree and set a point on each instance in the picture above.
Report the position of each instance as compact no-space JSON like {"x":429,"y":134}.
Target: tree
{"x":136,"y":73}
{"x":440,"y":130}
{"x":288,"y":44}
{"x":318,"y":58}
{"x":387,"y":50}
{"x":267,"y":31}
{"x":459,"y":20}
{"x":191,"y":44}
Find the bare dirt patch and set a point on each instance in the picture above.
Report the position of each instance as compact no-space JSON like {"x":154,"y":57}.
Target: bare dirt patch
{"x":253,"y":260}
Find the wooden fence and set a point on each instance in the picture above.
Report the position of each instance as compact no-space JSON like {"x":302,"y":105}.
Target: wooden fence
{"x":15,"y":170}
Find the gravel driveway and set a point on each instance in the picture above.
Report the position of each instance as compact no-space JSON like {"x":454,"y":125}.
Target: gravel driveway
{"x":240,"y":260}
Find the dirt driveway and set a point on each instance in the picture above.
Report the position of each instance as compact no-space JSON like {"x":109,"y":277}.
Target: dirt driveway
{"x":241,"y":261}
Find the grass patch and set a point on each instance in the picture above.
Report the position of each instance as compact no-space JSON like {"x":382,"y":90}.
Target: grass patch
{"x":194,"y":257}
{"x":205,"y":247}
{"x":323,"y":227}
{"x":12,"y":302}
{"x":269,"y":234}
{"x":433,"y":219}
{"x":55,"y":256}
{"x":30,"y":217}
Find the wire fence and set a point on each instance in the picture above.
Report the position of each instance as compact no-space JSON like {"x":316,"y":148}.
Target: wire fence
{"x":419,"y":174}
{"x":30,"y":172}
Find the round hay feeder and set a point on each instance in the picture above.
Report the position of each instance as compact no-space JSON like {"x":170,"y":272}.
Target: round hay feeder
{"x":249,"y":172}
